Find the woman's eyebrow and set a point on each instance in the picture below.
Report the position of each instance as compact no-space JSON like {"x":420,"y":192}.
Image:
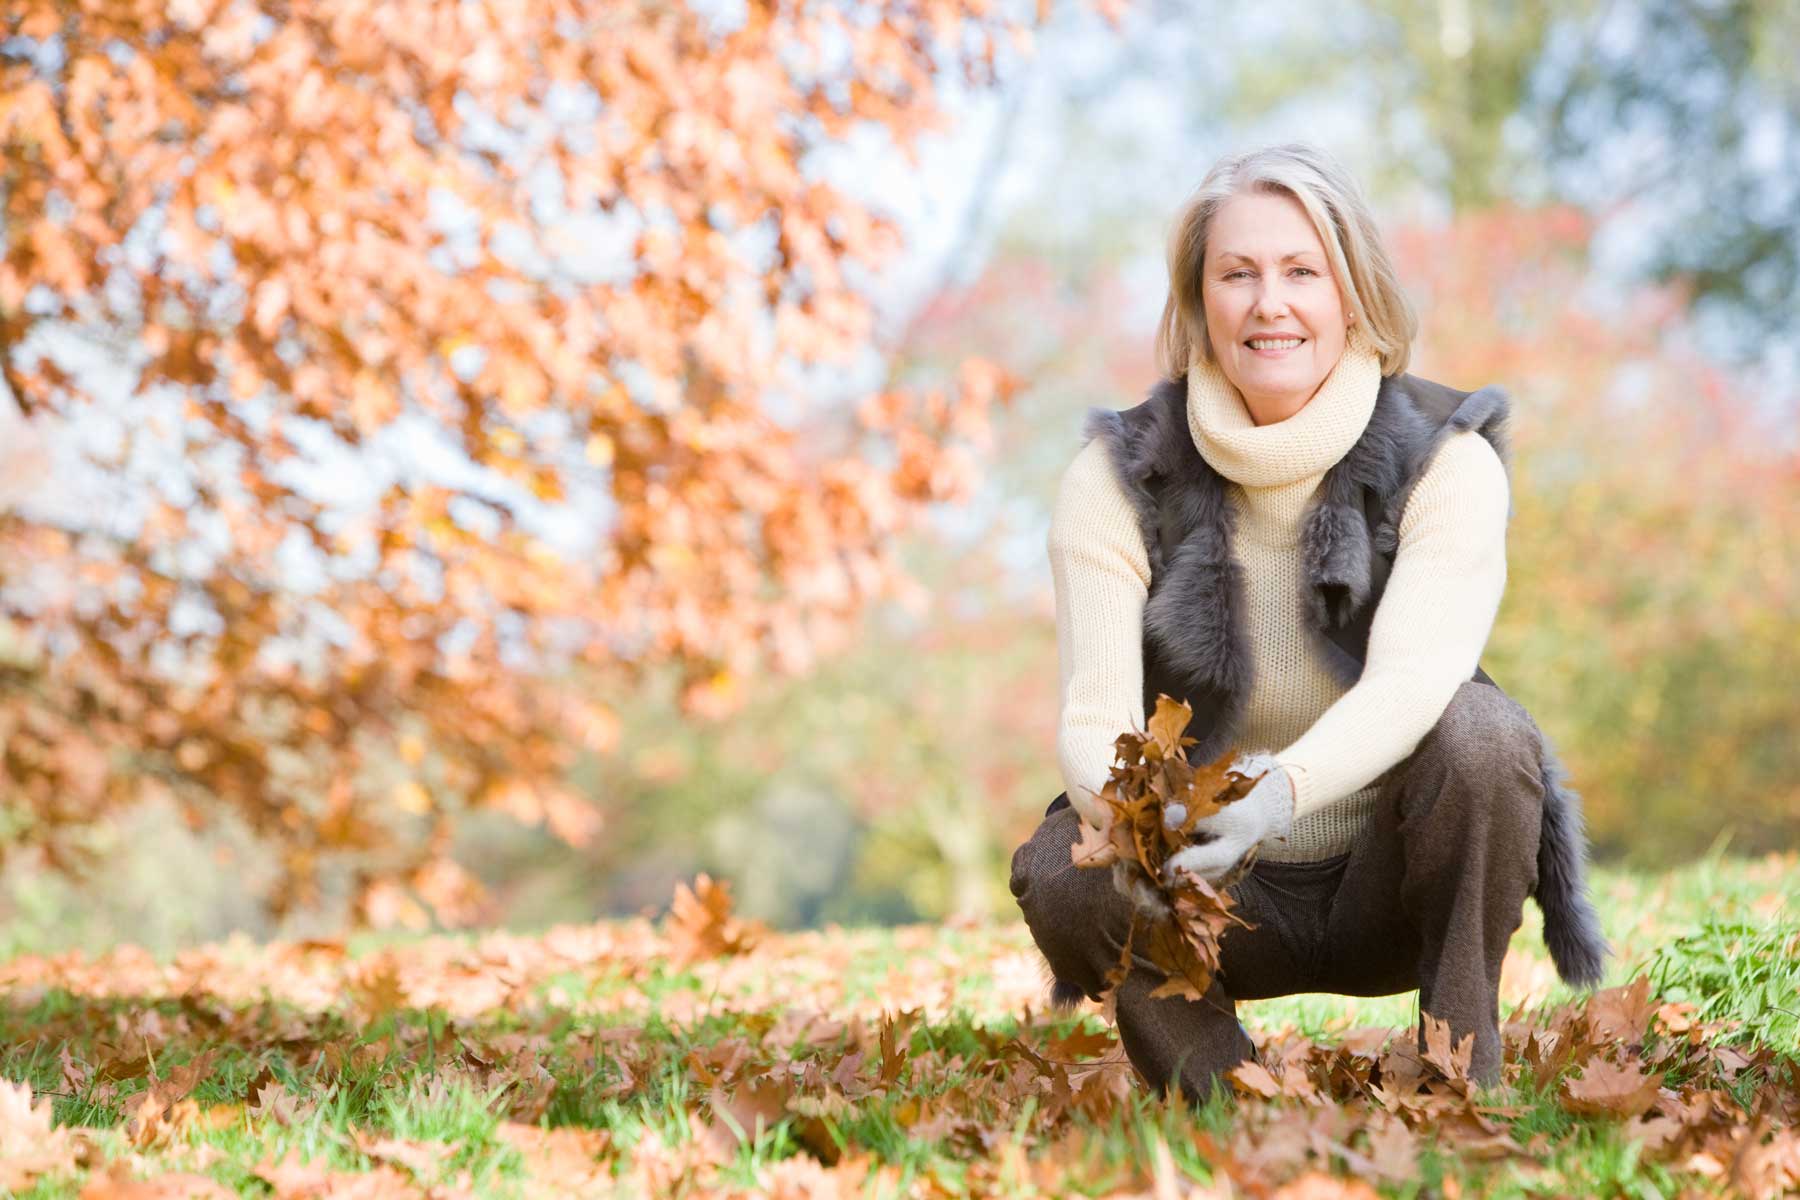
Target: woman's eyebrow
{"x":1284,"y":258}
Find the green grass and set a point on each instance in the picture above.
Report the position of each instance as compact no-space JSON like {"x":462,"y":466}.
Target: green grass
{"x":1722,"y":936}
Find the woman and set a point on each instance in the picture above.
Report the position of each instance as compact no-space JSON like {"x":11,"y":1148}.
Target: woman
{"x":1308,"y":546}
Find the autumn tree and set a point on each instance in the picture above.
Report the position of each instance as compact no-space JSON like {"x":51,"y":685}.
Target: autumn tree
{"x":470,"y":354}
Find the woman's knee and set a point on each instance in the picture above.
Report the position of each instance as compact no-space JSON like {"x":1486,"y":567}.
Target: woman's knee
{"x":1482,"y":725}
{"x":1037,"y":856}
{"x":1485,"y":735}
{"x":1071,"y":911}
{"x":1044,"y":877}
{"x":1479,"y":773}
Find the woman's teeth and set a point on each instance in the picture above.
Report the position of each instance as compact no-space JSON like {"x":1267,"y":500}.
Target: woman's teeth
{"x":1274,"y":343}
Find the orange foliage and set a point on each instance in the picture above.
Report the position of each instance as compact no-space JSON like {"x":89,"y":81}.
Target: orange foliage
{"x":1649,"y":613}
{"x":346,"y":235}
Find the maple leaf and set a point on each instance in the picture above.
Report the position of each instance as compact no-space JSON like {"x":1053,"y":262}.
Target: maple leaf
{"x":1608,"y":1089}
{"x":529,"y":1084}
{"x":421,"y":1160}
{"x":1255,"y":1079}
{"x":1393,"y":1149}
{"x":378,"y":987}
{"x":564,"y":1161}
{"x":700,"y":924}
{"x":293,"y":1179}
{"x":1168,"y":724}
{"x":29,"y":1146}
{"x":117,"y":1184}
{"x":182,"y":1079}
{"x":272,"y":1101}
{"x":893,"y":1051}
{"x":1083,"y":1043}
{"x":719,"y":1062}
{"x":1620,"y":1014}
{"x":74,"y":1073}
{"x":1316,"y":1185}
{"x":746,"y":1113}
{"x":1451,"y":1059}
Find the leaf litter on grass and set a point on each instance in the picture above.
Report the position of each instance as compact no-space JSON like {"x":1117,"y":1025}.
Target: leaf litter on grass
{"x":745,"y":1062}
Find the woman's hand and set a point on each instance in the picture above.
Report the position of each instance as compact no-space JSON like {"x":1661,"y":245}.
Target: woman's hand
{"x":1266,"y":812}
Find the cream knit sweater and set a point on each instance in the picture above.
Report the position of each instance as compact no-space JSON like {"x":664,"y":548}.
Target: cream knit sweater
{"x":1428,"y":632}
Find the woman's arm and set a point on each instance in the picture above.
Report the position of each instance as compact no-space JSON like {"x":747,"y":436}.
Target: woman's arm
{"x":1429,"y":628}
{"x":1101,"y":576}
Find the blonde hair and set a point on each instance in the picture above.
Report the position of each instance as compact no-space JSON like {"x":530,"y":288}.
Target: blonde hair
{"x":1383,"y":318}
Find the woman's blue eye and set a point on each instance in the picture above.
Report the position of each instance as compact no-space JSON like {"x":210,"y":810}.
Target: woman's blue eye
{"x":1308,"y":270}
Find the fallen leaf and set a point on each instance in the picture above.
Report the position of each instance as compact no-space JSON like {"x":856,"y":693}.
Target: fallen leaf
{"x":1608,"y":1089}
{"x":1451,"y":1061}
{"x":117,"y":1184}
{"x":1620,"y":1014}
{"x":1316,"y":1185}
{"x":29,"y":1145}
{"x":420,"y":1159}
{"x":700,"y":924}
{"x":1393,"y":1149}
{"x":273,"y":1102}
{"x":1255,"y":1079}
{"x":377,"y":988}
{"x":565,"y":1161}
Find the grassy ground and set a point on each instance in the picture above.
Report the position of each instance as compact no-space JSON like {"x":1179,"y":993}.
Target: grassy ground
{"x":699,"y":1057}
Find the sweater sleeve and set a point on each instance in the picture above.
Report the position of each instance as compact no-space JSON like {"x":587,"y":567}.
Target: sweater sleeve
{"x":1101,"y":576}
{"x":1429,"y":628}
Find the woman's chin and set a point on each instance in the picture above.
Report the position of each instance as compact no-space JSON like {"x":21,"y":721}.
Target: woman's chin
{"x":1286,"y":382}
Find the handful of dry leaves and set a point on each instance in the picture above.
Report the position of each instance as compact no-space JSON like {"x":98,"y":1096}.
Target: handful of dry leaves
{"x":1155,"y":796}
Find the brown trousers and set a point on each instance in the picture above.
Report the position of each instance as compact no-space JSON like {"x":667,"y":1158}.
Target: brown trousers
{"x":1428,"y":897}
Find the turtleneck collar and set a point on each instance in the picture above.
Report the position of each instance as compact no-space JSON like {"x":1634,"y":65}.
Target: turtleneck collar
{"x":1302,"y":447}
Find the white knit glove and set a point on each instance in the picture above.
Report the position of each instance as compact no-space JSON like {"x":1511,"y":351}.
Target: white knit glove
{"x":1266,"y":812}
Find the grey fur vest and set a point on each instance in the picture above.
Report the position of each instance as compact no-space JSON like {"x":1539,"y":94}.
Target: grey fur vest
{"x":1195,"y":645}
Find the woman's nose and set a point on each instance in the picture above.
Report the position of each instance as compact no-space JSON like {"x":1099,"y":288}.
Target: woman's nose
{"x":1270,"y":301}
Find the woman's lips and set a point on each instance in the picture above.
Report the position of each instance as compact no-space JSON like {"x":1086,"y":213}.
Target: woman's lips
{"x":1276,"y":353}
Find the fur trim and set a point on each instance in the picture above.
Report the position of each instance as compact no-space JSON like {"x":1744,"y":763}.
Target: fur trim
{"x":1196,"y":619}
{"x":1065,"y":995}
{"x":1488,"y":412}
{"x":1571,"y":927}
{"x":1335,"y":553}
{"x":1062,"y":993}
{"x":1196,"y":639}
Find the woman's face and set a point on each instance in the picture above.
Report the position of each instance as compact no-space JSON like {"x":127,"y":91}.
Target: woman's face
{"x":1267,"y":283}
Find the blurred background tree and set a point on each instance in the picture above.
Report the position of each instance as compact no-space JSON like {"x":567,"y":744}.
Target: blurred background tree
{"x":1555,"y":198}
{"x":1685,"y":112}
{"x":440,"y":359}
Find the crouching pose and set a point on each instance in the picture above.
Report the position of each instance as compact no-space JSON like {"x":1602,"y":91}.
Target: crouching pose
{"x":1308,"y":545}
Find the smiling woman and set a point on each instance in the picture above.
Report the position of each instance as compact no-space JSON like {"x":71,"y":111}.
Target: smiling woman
{"x":1308,"y":546}
{"x":1273,"y":314}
